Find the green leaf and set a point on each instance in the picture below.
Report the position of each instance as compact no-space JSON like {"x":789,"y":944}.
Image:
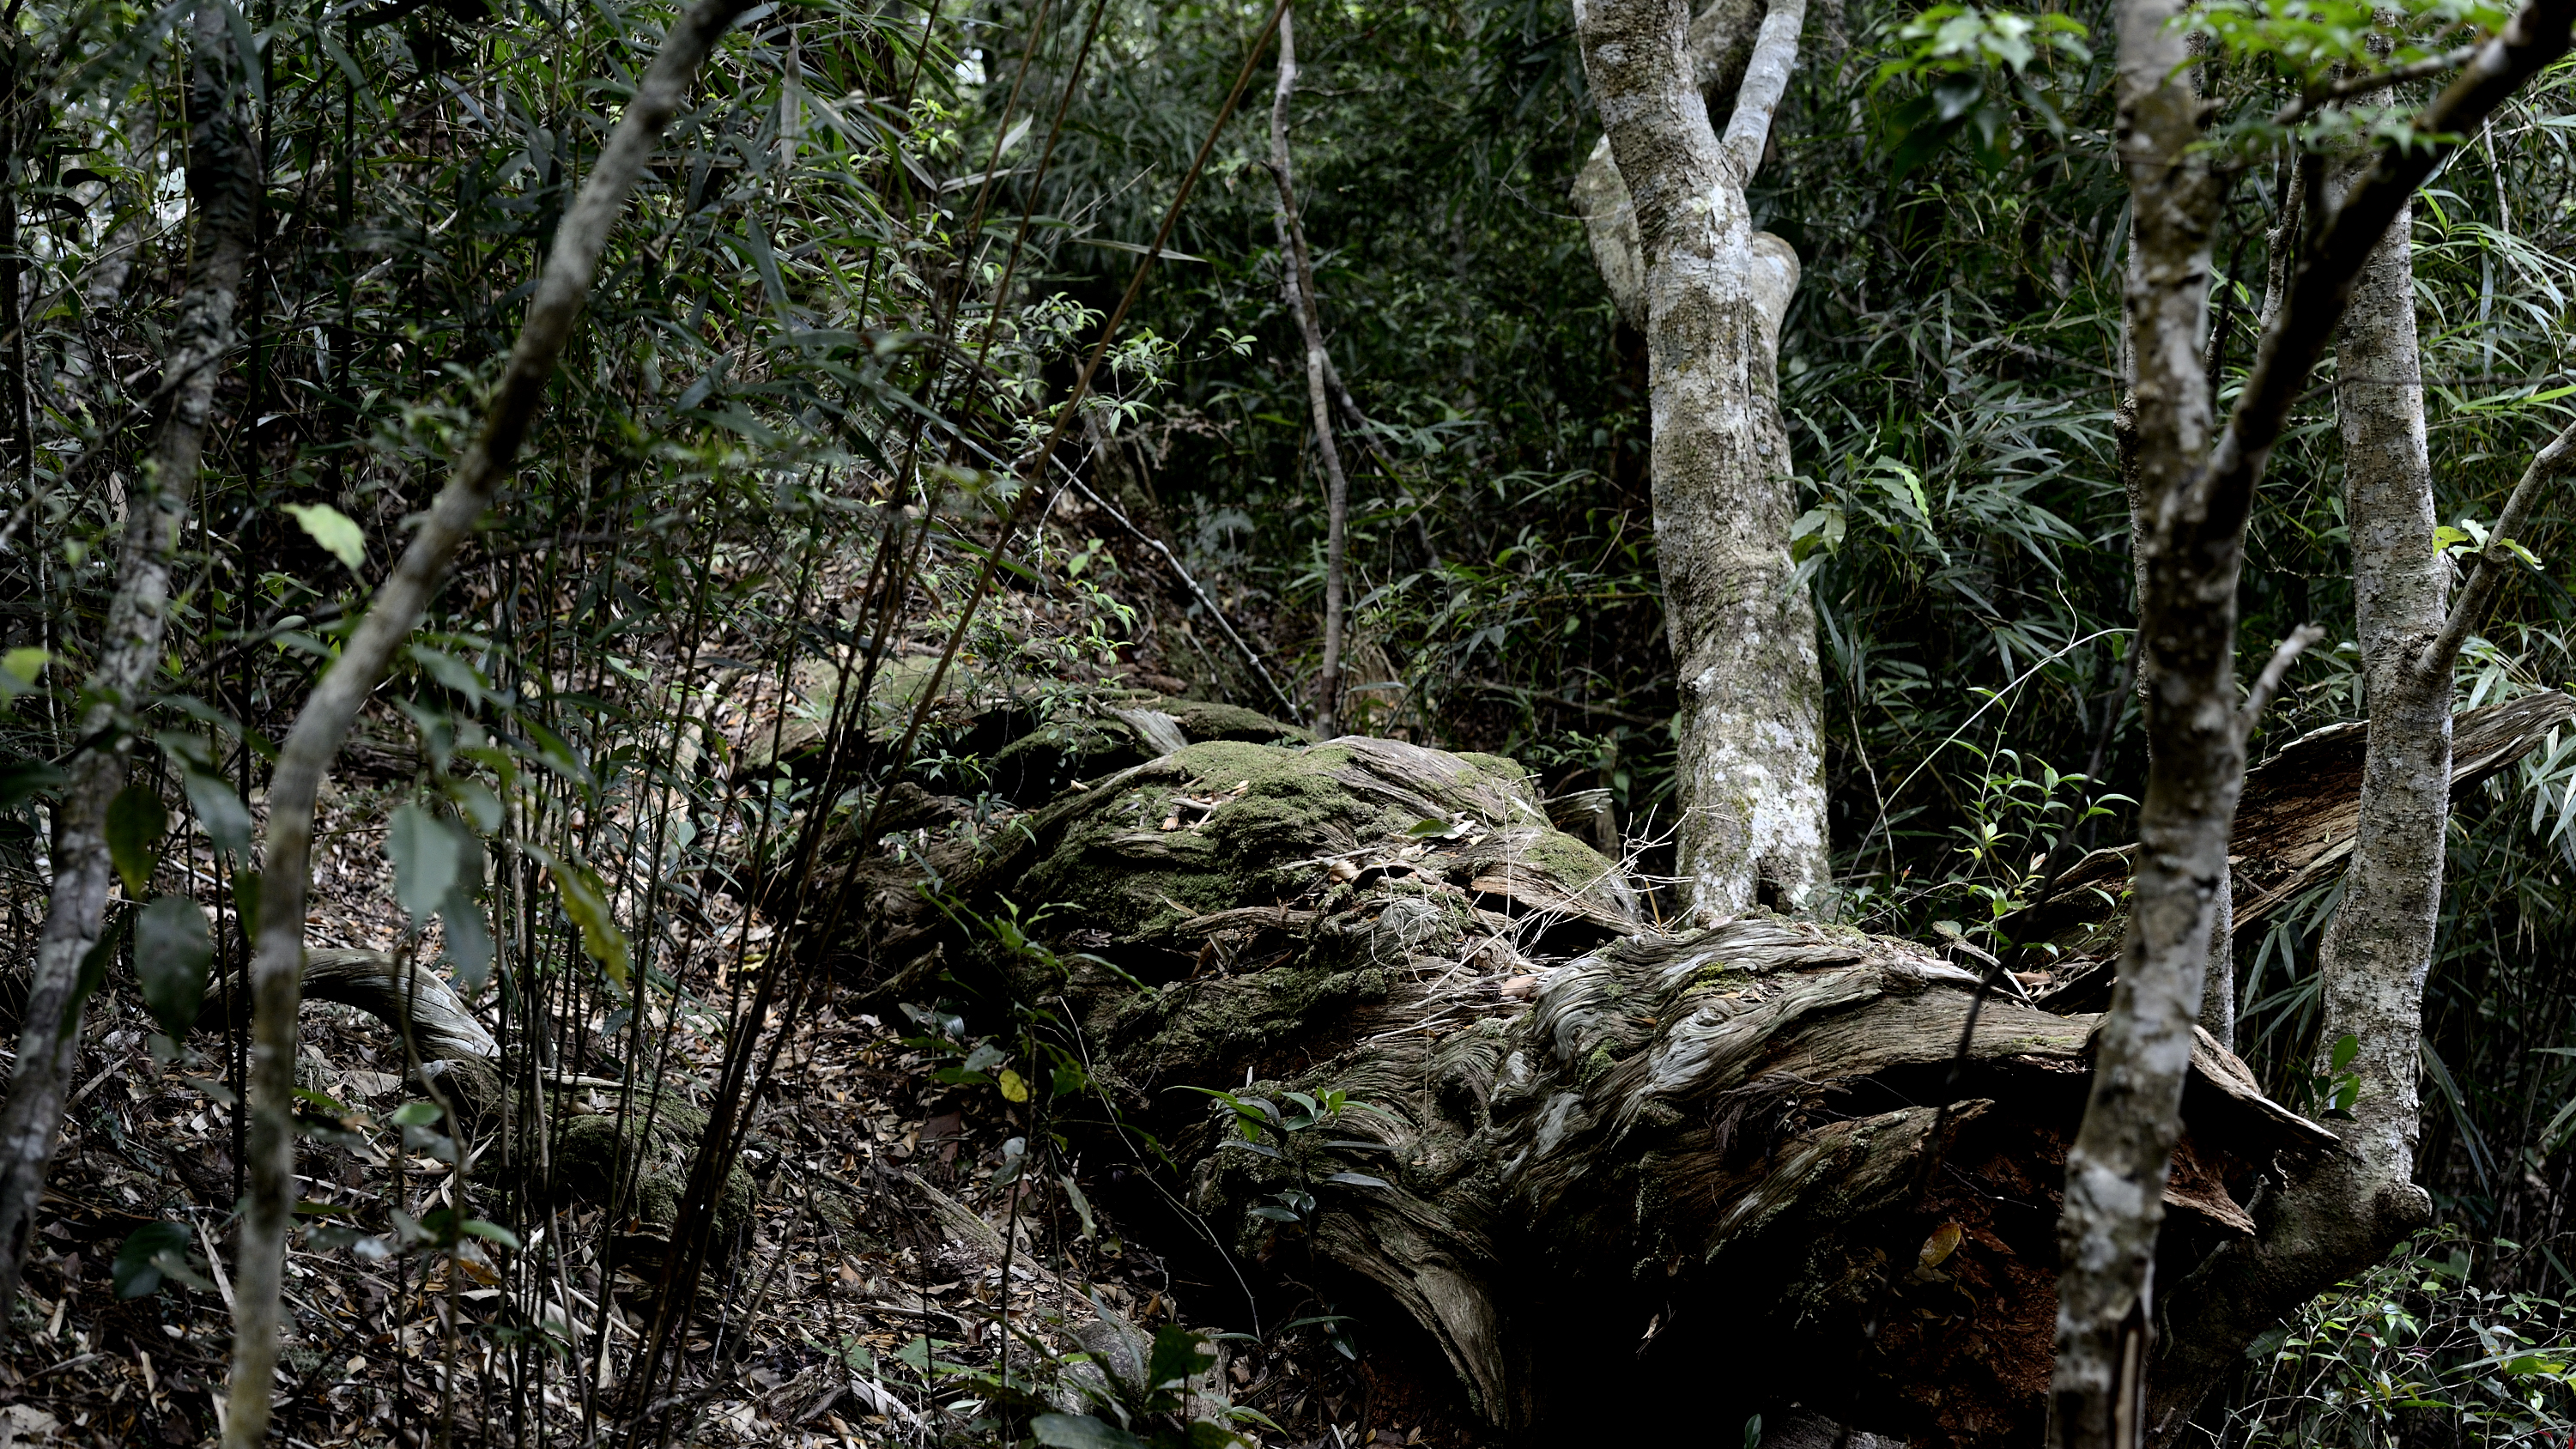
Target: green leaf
{"x":490,"y":1232}
{"x":338,"y":534}
{"x":2346,"y":1048}
{"x":1179,"y":1355}
{"x":19,"y":668}
{"x":246,"y":902}
{"x":469,"y":940}
{"x":1081,"y":1431}
{"x":135,"y":1272}
{"x":1359,"y":1179}
{"x":425,"y":859}
{"x":21,"y":777}
{"x":136,"y":821}
{"x":1081,"y":1207}
{"x":415,"y":1114}
{"x":172,"y":951}
{"x":451,"y":671}
{"x":585,"y":900}
{"x":226,"y":819}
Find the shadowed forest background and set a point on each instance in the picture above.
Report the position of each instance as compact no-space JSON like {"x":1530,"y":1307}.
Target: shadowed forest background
{"x":609,"y":794}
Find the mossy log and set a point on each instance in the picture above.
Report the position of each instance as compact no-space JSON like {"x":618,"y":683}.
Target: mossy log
{"x":1742,"y":1160}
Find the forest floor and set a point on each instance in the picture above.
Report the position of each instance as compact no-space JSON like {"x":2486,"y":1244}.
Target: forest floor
{"x":854,"y":1314}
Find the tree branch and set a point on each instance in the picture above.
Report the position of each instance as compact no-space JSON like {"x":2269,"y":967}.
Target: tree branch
{"x":2268,"y":683}
{"x":1310,"y":326}
{"x":2323,"y":284}
{"x":2555,"y":457}
{"x":1766,"y":80}
{"x":2344,"y":90}
{"x":285,"y":877}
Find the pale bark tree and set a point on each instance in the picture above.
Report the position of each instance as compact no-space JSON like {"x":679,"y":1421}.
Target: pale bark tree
{"x":2336,"y":1211}
{"x":1709,"y":295}
{"x":1299,"y":285}
{"x":2348,"y":1208}
{"x":277,"y":960}
{"x":223,"y":182}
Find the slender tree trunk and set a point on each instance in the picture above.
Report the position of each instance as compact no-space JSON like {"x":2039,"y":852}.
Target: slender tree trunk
{"x":2115,"y":1171}
{"x":223,"y":179}
{"x":1752,"y":830}
{"x":21,"y":128}
{"x":2218,"y":980}
{"x":2198,"y":496}
{"x":285,"y":877}
{"x":2379,"y":948}
{"x":1300,"y":286}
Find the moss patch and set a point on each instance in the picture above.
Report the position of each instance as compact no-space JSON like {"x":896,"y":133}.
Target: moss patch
{"x":590,"y":1156}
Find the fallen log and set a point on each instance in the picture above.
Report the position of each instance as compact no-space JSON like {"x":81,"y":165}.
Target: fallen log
{"x":2294,"y":830}
{"x":592,"y":1140}
{"x":1589,"y":1152}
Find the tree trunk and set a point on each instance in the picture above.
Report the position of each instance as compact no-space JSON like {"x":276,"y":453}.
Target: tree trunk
{"x":1299,"y":285}
{"x":1752,"y":830}
{"x":2187,"y":621}
{"x":2117,"y":1169}
{"x":223,"y":181}
{"x":2379,"y":947}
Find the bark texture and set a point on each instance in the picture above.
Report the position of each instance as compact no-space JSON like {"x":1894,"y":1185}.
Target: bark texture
{"x":223,"y":181}
{"x":1735,"y":1154}
{"x":2186,"y":638}
{"x":1750,"y":758}
{"x":277,"y":960}
{"x":2378,"y":950}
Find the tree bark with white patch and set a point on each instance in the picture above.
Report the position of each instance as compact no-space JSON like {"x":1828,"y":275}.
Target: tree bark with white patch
{"x":2196,"y":495}
{"x":1709,"y":293}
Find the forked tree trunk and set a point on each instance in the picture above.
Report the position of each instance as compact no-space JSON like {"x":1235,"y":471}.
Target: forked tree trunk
{"x":2198,"y":494}
{"x":1712,"y":293}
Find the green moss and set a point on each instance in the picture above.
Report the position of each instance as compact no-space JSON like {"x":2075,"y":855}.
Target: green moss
{"x":1570,"y":862}
{"x":1720,"y":976}
{"x":590,"y":1155}
{"x":1597,"y":1063}
{"x":1204,"y":720}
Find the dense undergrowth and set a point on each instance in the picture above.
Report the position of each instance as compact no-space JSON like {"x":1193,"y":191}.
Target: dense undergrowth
{"x":796,"y":458}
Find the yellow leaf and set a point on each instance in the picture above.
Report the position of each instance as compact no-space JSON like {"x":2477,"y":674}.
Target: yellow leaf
{"x":1943,"y":1242}
{"x":1013,"y":1086}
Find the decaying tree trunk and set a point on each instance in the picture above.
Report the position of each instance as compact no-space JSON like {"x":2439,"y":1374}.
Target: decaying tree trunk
{"x":1736,"y":1155}
{"x":1709,"y":293}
